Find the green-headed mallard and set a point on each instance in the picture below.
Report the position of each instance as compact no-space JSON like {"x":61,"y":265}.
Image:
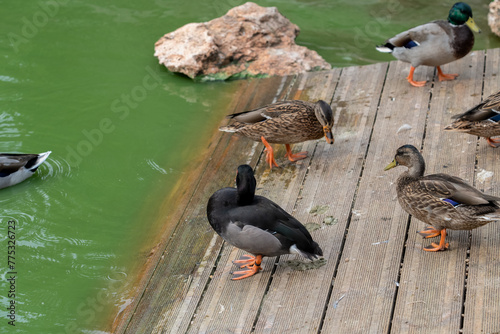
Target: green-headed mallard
{"x":285,"y":122}
{"x":15,"y":168}
{"x":435,"y":43}
{"x":440,"y":200}
{"x":482,"y":120}
{"x":256,"y":225}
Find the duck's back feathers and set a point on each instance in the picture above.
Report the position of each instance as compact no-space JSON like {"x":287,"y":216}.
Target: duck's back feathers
{"x":454,"y":188}
{"x":432,"y":44}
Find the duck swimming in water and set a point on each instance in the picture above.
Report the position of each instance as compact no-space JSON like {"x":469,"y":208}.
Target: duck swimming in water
{"x":440,"y":200}
{"x":435,"y":43}
{"x":285,"y":122}
{"x":15,"y":168}
{"x":256,"y":225}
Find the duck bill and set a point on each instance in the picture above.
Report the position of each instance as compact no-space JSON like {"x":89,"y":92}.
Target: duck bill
{"x":472,"y":25}
{"x":328,"y":135}
{"x":391,"y":165}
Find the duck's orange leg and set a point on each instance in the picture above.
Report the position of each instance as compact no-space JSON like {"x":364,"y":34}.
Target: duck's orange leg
{"x":247,"y":261}
{"x":411,"y":81}
{"x":429,"y":232}
{"x":442,"y":245}
{"x":493,"y":142}
{"x":269,"y":153}
{"x":294,"y":157}
{"x":445,"y":77}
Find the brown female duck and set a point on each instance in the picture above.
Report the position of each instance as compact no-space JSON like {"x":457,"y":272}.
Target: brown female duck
{"x":482,"y":120}
{"x":440,"y":200}
{"x":285,"y":122}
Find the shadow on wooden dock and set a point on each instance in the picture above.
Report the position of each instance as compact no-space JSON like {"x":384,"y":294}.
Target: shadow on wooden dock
{"x":376,"y":277}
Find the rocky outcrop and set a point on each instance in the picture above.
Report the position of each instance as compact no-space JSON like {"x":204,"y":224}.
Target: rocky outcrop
{"x":494,"y":17}
{"x":248,"y":41}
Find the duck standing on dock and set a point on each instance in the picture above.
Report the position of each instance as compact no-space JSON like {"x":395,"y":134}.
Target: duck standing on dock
{"x":15,"y":168}
{"x":285,"y":122}
{"x":440,"y":200}
{"x":435,"y":43}
{"x":257,"y":225}
{"x":482,"y":120}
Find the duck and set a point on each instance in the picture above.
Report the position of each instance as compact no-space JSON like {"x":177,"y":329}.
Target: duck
{"x":482,"y":120}
{"x":442,"y":201}
{"x":256,"y":225}
{"x":15,"y":167}
{"x":435,"y":43}
{"x":284,"y":122}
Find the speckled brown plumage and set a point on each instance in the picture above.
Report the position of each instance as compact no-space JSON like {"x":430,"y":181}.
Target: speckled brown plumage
{"x":482,"y":120}
{"x":285,"y":122}
{"x":440,"y":200}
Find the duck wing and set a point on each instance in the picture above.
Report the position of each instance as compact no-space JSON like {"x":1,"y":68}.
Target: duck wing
{"x":264,"y":219}
{"x":418,"y":35}
{"x":10,"y":163}
{"x":488,"y":109}
{"x":450,"y":187}
{"x":274,"y":110}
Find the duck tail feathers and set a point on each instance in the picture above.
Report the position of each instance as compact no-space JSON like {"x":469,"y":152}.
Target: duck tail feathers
{"x":386,"y":48}
{"x":35,"y":163}
{"x":316,"y":251}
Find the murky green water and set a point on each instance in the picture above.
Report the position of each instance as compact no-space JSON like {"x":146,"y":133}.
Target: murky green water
{"x":79,"y":78}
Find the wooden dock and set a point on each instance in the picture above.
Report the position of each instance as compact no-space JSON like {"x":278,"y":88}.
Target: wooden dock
{"x":376,"y":278}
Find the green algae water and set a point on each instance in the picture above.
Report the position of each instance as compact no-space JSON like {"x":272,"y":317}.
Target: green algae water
{"x":79,"y":78}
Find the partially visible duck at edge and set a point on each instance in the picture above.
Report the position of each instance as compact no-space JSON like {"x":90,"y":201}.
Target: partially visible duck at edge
{"x":482,"y":120}
{"x":15,"y":167}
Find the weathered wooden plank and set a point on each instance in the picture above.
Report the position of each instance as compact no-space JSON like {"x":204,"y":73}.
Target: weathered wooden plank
{"x":325,"y":202}
{"x":365,"y":285}
{"x":230,"y":306}
{"x":482,"y":306}
{"x":430,"y":294}
{"x":192,"y":243}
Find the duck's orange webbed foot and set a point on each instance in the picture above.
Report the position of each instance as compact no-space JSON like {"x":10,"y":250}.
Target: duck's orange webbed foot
{"x":442,"y":244}
{"x":493,"y":142}
{"x":429,"y":232}
{"x":413,"y":82}
{"x":247,"y":261}
{"x":294,"y":156}
{"x":445,"y":77}
{"x":269,"y":153}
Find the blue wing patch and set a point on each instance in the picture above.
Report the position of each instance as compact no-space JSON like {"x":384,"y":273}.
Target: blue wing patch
{"x":411,"y":44}
{"x":452,"y":202}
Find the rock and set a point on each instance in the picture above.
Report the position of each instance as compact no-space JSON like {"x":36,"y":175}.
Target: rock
{"x":248,"y":41}
{"x":494,"y":17}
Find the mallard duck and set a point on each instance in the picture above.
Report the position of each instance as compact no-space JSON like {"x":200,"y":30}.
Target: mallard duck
{"x":15,"y":168}
{"x":440,"y":200}
{"x":435,"y":43}
{"x":482,"y":120}
{"x":257,"y":225}
{"x":285,"y":122}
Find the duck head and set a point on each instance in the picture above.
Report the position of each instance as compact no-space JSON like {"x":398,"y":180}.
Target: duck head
{"x":324,"y":114}
{"x":461,"y":13}
{"x":245,"y":184}
{"x":409,"y":156}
